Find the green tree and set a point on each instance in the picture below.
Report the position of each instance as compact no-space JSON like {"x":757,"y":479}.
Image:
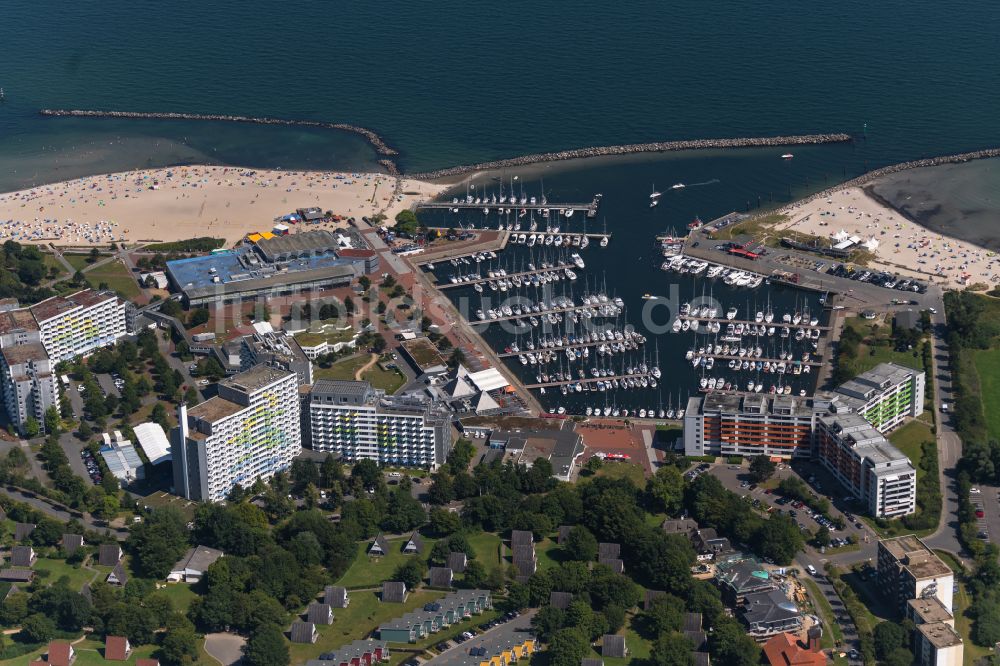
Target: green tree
{"x":443,"y":522}
{"x":37,"y":629}
{"x":580,"y":544}
{"x":730,"y":645}
{"x":665,"y":490}
{"x":475,"y":574}
{"x":888,"y":636}
{"x":671,"y":649}
{"x":567,"y":647}
{"x":31,"y":427}
{"x":266,"y":647}
{"x":198,"y":317}
{"x":180,"y":644}
{"x":901,"y":656}
{"x":410,"y":572}
{"x":158,"y":542}
{"x":53,"y":424}
{"x":761,"y":468}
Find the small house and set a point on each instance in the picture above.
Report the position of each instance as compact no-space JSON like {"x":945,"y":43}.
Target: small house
{"x":440,"y":576}
{"x":109,"y":555}
{"x":17,"y":575}
{"x":318,"y":613}
{"x":71,"y":543}
{"x":414,"y":545}
{"x":23,"y":530}
{"x":303,"y":632}
{"x":379,"y":547}
{"x":118,"y":576}
{"x":560,"y":600}
{"x":117,"y":648}
{"x":336,"y":596}
{"x":61,"y":653}
{"x":521,"y":538}
{"x":22,"y":556}
{"x":613,"y":645}
{"x":394,"y":591}
{"x":457,"y":562}
{"x":564,"y":531}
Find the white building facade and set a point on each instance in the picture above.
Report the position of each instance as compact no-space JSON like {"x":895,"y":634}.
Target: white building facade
{"x":80,"y":323}
{"x":250,"y":431}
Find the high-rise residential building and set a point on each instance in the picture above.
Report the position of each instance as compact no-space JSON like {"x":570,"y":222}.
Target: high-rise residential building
{"x":864,"y":461}
{"x":77,"y":324}
{"x":884,"y":395}
{"x":249,"y":431}
{"x":731,"y":424}
{"x":357,"y":421}
{"x":908,"y":569}
{"x":27,"y":384}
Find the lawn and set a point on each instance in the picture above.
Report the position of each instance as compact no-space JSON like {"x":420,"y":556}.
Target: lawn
{"x":81,"y":262}
{"x":357,"y":621}
{"x":371,"y":571}
{"x":91,"y":653}
{"x":638,"y":648}
{"x":624,"y":470}
{"x":548,"y":554}
{"x":180,"y":594}
{"x":878,"y":347}
{"x":116,"y":276}
{"x":987,"y":364}
{"x":487,"y":547}
{"x":387,"y":380}
{"x":51,"y":570}
{"x":51,"y":262}
{"x":908,"y":439}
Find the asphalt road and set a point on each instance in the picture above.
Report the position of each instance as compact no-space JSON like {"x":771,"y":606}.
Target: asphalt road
{"x":501,"y":631}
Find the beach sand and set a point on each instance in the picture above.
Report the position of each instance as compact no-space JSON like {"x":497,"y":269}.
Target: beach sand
{"x":187,"y":202}
{"x":904,"y":247}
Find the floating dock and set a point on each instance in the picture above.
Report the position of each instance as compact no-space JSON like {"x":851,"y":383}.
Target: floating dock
{"x":588,"y":380}
{"x":778,"y":325}
{"x":545,"y":313}
{"x":755,"y":359}
{"x":589,"y":209}
{"x":560,"y":269}
{"x":557,"y":350}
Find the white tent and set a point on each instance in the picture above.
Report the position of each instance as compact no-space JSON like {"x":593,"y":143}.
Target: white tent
{"x":153,"y":441}
{"x":486,"y":403}
{"x":841,"y":235}
{"x":488,"y":380}
{"x":871,"y":244}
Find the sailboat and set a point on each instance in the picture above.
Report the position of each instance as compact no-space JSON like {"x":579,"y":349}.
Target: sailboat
{"x":654,"y":198}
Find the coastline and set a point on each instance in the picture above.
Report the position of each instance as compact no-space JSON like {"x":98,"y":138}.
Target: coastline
{"x":178,"y":203}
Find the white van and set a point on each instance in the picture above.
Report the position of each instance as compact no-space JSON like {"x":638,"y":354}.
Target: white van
{"x":811,"y":569}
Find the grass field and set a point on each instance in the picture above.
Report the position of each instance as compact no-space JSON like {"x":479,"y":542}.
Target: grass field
{"x":487,"y":547}
{"x":180,"y":594}
{"x":987,"y":364}
{"x":51,"y":262}
{"x":357,"y":621}
{"x":547,"y":552}
{"x":624,"y":470}
{"x":908,"y":440}
{"x":50,"y":570}
{"x":638,"y":648}
{"x":371,"y":571}
{"x":116,"y":276}
{"x":387,"y":380}
{"x":81,"y":262}
{"x":878,"y":347}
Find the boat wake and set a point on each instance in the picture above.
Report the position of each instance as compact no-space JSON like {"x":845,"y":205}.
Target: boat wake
{"x":707,"y":182}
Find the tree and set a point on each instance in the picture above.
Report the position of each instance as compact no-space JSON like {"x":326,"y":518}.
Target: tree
{"x":158,"y":542}
{"x":822,"y":537}
{"x":580,"y":544}
{"x":475,"y":574}
{"x":593,"y":464}
{"x":180,"y":644}
{"x":665,"y":490}
{"x":567,"y":647}
{"x":888,"y":636}
{"x":94,"y":255}
{"x":37,"y":629}
{"x":730,"y":645}
{"x":109,"y":508}
{"x":31,"y":427}
{"x":901,"y":656}
{"x":52,"y":421}
{"x":761,"y":468}
{"x":198,"y":317}
{"x":369,"y":473}
{"x":671,"y":649}
{"x":266,"y":647}
{"x":665,"y":614}
{"x":442,"y":521}
{"x":410,"y":572}
{"x":778,"y":538}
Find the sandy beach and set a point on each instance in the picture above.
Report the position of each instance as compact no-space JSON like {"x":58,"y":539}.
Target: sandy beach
{"x":186,"y":202}
{"x":903,"y":247}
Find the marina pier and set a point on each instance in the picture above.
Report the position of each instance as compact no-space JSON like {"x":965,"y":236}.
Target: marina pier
{"x":588,"y":380}
{"x":558,"y":268}
{"x":776,"y":324}
{"x":564,"y":209}
{"x":556,"y":310}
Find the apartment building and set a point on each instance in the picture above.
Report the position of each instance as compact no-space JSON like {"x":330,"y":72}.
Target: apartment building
{"x":864,"y":461}
{"x":884,"y":396}
{"x":731,"y":424}
{"x":357,"y":421}
{"x":908,"y":569}
{"x":249,"y":431}
{"x":77,"y":324}
{"x":935,"y":641}
{"x":27,"y":384}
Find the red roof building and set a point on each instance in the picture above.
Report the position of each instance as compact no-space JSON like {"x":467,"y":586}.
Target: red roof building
{"x":61,"y":653}
{"x":785,"y":650}
{"x":117,"y":648}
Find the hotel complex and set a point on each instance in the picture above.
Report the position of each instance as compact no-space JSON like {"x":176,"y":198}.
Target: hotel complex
{"x":843,"y":429}
{"x":356,"y":421}
{"x":249,"y":431}
{"x":34,"y":339}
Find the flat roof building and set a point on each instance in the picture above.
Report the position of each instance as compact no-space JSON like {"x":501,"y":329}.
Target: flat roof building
{"x":871,"y":468}
{"x":80,"y":323}
{"x":749,"y":425}
{"x":908,"y":569}
{"x":884,"y":395}
{"x":277,"y":350}
{"x":153,"y":441}
{"x":249,"y":431}
{"x":938,"y":644}
{"x":122,"y":459}
{"x":27,"y":384}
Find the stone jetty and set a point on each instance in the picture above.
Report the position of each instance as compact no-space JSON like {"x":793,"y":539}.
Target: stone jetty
{"x":381,"y":147}
{"x":634,"y":148}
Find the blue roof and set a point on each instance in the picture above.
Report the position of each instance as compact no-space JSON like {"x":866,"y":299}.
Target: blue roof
{"x":240,"y":265}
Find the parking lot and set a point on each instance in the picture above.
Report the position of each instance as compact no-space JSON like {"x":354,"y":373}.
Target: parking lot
{"x":493,"y":631}
{"x":978,"y":497}
{"x":737,"y":479}
{"x":880,"y":279}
